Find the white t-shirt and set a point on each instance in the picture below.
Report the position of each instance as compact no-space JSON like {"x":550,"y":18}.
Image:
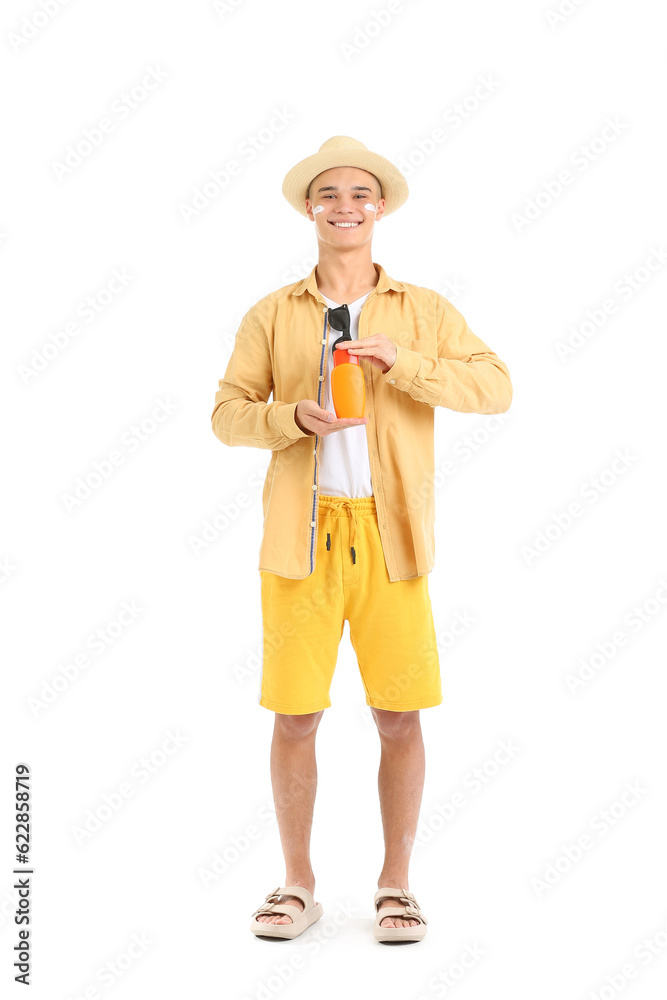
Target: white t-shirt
{"x":344,"y":467}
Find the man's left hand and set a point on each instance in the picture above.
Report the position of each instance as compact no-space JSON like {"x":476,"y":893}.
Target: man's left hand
{"x":379,"y":348}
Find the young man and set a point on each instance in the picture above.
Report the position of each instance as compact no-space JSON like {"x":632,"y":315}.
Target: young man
{"x":349,"y":509}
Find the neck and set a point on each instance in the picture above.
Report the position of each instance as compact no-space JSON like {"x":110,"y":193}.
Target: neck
{"x":345,"y":277}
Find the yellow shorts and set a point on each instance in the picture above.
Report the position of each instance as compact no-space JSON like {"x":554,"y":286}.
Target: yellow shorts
{"x":391,"y":624}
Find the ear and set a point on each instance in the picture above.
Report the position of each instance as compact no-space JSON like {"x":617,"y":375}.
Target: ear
{"x":380,"y":209}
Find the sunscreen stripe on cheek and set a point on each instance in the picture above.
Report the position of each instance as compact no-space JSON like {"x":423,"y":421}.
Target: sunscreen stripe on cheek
{"x":320,"y":208}
{"x":371,"y":208}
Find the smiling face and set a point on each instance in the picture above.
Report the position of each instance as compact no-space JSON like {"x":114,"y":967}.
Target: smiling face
{"x":341,"y":195}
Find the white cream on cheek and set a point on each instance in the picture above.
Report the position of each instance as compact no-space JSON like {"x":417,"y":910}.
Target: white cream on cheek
{"x":320,"y":208}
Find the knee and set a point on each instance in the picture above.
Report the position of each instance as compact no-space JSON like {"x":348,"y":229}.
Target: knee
{"x":396,"y":725}
{"x":297,"y":726}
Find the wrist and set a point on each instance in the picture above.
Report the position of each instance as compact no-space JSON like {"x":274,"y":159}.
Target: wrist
{"x":299,"y":424}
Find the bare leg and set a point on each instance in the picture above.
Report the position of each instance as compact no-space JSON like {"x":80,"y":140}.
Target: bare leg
{"x":294,"y":780}
{"x":400,"y":785}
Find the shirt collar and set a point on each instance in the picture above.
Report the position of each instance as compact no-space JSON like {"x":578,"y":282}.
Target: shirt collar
{"x":309,"y":284}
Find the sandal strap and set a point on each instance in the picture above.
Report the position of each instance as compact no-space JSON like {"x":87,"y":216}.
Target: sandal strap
{"x":271,"y":904}
{"x":410,"y":906}
{"x":395,"y":893}
{"x":301,"y":893}
{"x":281,"y":910}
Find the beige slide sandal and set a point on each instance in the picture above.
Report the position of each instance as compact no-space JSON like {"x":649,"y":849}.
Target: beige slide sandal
{"x":408,"y":910}
{"x":301,"y":919}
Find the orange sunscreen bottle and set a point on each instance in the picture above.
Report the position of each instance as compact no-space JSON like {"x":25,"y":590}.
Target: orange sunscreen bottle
{"x":348,"y":389}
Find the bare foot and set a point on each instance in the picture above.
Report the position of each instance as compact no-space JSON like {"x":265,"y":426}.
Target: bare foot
{"x":396,"y":921}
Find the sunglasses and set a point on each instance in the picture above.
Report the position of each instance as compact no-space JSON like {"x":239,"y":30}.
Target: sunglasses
{"x":339,"y":319}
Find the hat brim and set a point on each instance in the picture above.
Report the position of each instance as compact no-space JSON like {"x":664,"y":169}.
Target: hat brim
{"x":394,"y":185}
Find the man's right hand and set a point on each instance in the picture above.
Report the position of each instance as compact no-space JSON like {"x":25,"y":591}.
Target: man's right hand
{"x":312,"y":418}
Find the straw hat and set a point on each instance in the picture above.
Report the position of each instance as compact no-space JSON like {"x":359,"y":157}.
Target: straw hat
{"x":343,"y":151}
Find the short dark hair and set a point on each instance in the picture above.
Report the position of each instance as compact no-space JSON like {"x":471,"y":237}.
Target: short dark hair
{"x":372,"y":175}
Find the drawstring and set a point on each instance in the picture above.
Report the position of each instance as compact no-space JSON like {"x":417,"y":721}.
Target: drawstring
{"x":349,"y":506}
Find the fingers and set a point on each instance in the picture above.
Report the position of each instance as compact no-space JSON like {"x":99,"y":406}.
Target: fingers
{"x":327,"y":417}
{"x":338,"y":424}
{"x":351,"y":422}
{"x":344,"y":422}
{"x":327,"y":422}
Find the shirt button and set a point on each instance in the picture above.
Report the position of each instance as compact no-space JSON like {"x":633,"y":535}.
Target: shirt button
{"x":323,"y":341}
{"x":314,"y":486}
{"x":314,"y":451}
{"x":392,"y":380}
{"x":322,"y":378}
{"x":312,"y":524}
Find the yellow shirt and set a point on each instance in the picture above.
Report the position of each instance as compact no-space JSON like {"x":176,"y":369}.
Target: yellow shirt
{"x":281,"y":347}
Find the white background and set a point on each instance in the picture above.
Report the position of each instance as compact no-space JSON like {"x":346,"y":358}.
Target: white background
{"x":186,"y":663}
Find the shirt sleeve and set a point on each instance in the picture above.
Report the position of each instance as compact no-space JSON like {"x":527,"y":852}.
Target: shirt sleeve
{"x":242,"y":414}
{"x":466,"y":375}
